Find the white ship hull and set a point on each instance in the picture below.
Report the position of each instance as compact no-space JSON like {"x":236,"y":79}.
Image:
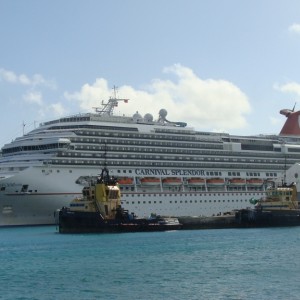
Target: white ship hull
{"x":46,"y":168}
{"x":52,"y":188}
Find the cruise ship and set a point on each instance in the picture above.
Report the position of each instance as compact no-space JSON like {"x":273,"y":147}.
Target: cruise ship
{"x":162,"y":167}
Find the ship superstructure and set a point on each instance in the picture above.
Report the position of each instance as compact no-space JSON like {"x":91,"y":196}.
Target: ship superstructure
{"x":162,"y":166}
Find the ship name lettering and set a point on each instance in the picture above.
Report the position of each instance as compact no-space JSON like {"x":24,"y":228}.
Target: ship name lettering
{"x":164,"y":172}
{"x":151,"y":172}
{"x":188,"y":172}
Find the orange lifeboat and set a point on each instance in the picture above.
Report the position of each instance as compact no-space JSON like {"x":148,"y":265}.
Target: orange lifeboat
{"x":237,"y":181}
{"x":215,"y":181}
{"x":150,"y":181}
{"x":125,"y":181}
{"x":196,"y":181}
{"x":172,"y":181}
{"x":255,"y":181}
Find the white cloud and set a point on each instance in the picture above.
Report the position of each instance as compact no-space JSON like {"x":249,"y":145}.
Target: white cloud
{"x":90,"y":96}
{"x":8,"y":76}
{"x":58,"y":109}
{"x":205,"y":104}
{"x":22,"y":79}
{"x":291,"y":87}
{"x":33,"y":97}
{"x":295,"y":28}
{"x":54,"y":110}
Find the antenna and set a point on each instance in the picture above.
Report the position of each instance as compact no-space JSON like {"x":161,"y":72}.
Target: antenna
{"x":115,"y":88}
{"x":104,"y":177}
{"x":294,"y":106}
{"x":23,"y":127}
{"x":108,"y":107}
{"x":284,"y":175}
{"x":105,"y":152}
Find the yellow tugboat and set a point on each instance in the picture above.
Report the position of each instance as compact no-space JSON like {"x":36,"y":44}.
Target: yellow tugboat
{"x":280,"y":207}
{"x":99,"y":210}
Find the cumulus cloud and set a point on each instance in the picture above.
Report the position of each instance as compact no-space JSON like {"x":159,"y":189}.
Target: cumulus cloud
{"x":33,"y":97}
{"x":291,"y":87}
{"x":58,"y":109}
{"x":54,"y":110}
{"x":25,"y":80}
{"x":295,"y":28}
{"x":206,"y":104}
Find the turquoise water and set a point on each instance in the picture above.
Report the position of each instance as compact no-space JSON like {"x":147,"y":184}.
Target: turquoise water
{"x":39,"y":263}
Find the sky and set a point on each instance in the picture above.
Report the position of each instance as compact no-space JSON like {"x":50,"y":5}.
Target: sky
{"x":218,"y":65}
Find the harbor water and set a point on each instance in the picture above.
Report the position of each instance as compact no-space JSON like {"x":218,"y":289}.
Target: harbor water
{"x":39,"y":263}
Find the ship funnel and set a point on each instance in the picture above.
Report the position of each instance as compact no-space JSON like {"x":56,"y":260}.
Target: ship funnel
{"x":292,"y":124}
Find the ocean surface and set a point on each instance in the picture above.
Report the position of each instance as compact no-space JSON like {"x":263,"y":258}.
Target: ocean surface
{"x":39,"y":263}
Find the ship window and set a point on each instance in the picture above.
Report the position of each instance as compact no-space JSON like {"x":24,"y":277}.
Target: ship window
{"x":3,"y":188}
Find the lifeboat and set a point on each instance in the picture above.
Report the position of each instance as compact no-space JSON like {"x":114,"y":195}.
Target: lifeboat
{"x":255,"y":181}
{"x":150,"y":181}
{"x":237,"y":181}
{"x":172,"y":181}
{"x":215,"y":181}
{"x":196,"y":181}
{"x":125,"y":181}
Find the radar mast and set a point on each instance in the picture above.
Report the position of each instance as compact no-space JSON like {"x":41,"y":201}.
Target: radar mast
{"x":107,"y":108}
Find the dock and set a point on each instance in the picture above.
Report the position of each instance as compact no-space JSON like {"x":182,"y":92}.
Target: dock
{"x":214,"y":222}
{"x":244,"y":218}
